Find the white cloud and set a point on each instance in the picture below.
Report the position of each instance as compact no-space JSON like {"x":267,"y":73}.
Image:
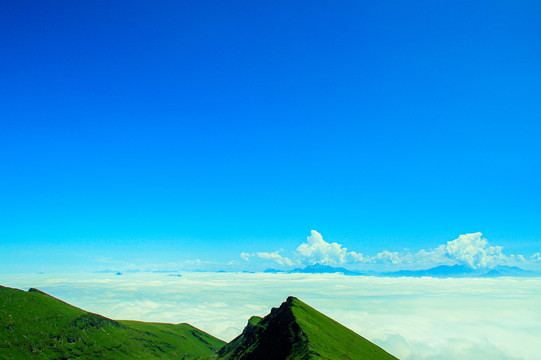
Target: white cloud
{"x":468,"y":249}
{"x":471,"y":250}
{"x":413,"y":318}
{"x":276,"y":257}
{"x":196,"y":264}
{"x":316,"y":250}
{"x":246,"y":256}
{"x":387,"y":257}
{"x":516,"y":259}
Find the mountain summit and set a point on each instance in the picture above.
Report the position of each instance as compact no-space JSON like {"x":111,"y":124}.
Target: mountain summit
{"x":295,"y":331}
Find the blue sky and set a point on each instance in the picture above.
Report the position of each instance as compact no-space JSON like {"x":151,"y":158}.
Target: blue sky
{"x":137,"y":134}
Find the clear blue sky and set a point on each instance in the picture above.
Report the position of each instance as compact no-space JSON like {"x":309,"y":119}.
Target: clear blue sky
{"x":179,"y":130}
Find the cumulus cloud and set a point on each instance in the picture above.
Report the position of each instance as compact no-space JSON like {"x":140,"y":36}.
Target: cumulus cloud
{"x":516,"y":259}
{"x":246,"y":256}
{"x":316,"y":250}
{"x":387,"y":257}
{"x":276,"y":257}
{"x":471,"y":250}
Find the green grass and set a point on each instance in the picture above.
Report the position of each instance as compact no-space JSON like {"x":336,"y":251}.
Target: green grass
{"x":295,"y":331}
{"x":36,"y":325}
{"x":254,"y":320}
{"x":185,"y":338}
{"x":331,"y":340}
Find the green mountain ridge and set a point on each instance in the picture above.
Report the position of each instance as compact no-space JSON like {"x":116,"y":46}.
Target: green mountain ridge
{"x":296,"y":331}
{"x":35,"y":325}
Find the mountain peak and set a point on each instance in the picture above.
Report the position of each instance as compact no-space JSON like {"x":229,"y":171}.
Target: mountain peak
{"x":37,"y":291}
{"x":297,"y":331}
{"x":276,"y":336}
{"x":290,"y":299}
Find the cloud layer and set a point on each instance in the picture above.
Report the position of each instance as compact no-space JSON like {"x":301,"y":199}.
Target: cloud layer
{"x":421,"y":318}
{"x":471,"y":250}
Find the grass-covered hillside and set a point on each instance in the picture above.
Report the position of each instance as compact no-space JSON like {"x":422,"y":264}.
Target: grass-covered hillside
{"x":295,"y":331}
{"x":36,"y":325}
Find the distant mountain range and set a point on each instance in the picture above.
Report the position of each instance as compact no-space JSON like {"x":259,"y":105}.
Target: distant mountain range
{"x":35,"y":325}
{"x":317,"y":269}
{"x":442,"y":271}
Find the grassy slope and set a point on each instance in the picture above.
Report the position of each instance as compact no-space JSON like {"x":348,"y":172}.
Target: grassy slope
{"x":295,"y":331}
{"x":36,"y":325}
{"x":254,"y":320}
{"x":184,"y":337}
{"x":331,"y":340}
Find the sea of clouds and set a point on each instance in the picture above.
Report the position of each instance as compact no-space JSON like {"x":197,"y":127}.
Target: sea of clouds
{"x":413,"y":318}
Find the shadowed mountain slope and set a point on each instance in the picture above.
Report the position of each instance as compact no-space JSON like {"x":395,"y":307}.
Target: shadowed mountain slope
{"x":295,"y":331}
{"x":36,"y":325}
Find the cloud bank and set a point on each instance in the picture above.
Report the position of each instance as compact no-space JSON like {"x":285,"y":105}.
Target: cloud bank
{"x":314,"y":251}
{"x":471,"y":250}
{"x":413,"y":318}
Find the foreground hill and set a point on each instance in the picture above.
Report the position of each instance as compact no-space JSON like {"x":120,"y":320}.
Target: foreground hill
{"x":295,"y":331}
{"x":36,"y":325}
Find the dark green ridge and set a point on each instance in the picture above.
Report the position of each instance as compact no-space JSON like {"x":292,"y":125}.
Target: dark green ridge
{"x":296,"y":331}
{"x":254,"y":320}
{"x":34,"y":325}
{"x":276,"y":336}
